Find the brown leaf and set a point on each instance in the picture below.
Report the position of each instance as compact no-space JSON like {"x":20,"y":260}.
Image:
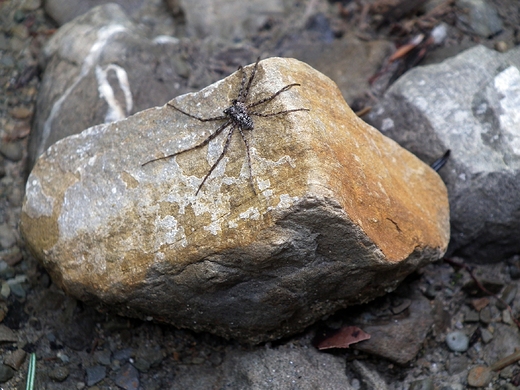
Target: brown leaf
{"x":342,"y":338}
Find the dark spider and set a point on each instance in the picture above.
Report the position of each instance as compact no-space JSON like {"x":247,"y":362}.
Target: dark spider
{"x":238,"y":117}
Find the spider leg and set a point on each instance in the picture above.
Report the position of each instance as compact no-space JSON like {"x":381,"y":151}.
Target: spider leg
{"x":268,"y":99}
{"x":278,"y":113}
{"x":248,"y":158}
{"x":226,"y":145}
{"x":216,"y":118}
{"x":205,"y":142}
{"x":241,"y":97}
{"x":246,"y":92}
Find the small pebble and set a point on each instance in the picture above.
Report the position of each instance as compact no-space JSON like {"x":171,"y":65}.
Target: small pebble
{"x":103,"y":357}
{"x":501,"y":46}
{"x":7,"y":335}
{"x":20,"y":112}
{"x":7,"y":236}
{"x":485,"y":315}
{"x":479,"y":376}
{"x":508,"y":295}
{"x":6,"y":373}
{"x":15,"y":359}
{"x":95,"y":374}
{"x":128,"y":378}
{"x":12,"y":150}
{"x":487,"y":336}
{"x":423,"y":384}
{"x":59,"y":374}
{"x":5,"y":291}
{"x":457,"y":341}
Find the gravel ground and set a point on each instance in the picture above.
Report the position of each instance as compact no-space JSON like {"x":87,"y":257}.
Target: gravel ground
{"x":80,"y":348}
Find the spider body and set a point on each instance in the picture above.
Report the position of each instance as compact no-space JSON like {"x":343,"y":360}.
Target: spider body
{"x":237,"y":112}
{"x":238,"y":116}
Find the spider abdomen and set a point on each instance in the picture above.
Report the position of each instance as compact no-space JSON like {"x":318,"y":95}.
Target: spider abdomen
{"x":237,"y":112}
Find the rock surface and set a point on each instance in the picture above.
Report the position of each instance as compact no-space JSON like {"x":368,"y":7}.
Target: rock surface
{"x":469,"y":104}
{"x":99,"y":68}
{"x":342,"y":214}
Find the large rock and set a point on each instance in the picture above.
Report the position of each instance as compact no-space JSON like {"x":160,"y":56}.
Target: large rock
{"x":471,"y":105}
{"x":99,"y":68}
{"x":342,"y":213}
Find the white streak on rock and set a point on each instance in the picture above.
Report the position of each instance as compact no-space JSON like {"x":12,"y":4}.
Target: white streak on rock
{"x":104,"y":35}
{"x":115,"y":110}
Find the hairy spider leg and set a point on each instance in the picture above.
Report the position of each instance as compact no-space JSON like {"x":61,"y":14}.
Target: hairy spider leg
{"x":215,"y":118}
{"x":278,"y":113}
{"x":246,"y":92}
{"x":248,"y":158}
{"x":268,"y":99}
{"x":241,"y":97}
{"x":224,"y":150}
{"x":205,"y":142}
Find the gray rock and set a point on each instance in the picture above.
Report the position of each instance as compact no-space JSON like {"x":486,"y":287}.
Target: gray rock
{"x":457,"y":341}
{"x":152,"y":17}
{"x":284,"y":367}
{"x":7,"y":335}
{"x":369,"y":377}
{"x":6,"y":373}
{"x":100,"y":68}
{"x":338,"y":217}
{"x":400,"y":338}
{"x":211,"y":18}
{"x":7,"y":236}
{"x":128,"y":378}
{"x":95,"y":374}
{"x":349,"y":61}
{"x":59,"y":374}
{"x":479,"y":16}
{"x":506,"y":340}
{"x":12,"y":150}
{"x":468,"y":104}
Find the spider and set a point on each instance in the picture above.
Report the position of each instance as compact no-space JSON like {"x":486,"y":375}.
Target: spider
{"x":236,"y":117}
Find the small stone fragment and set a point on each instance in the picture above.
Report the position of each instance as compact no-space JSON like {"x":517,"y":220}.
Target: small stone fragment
{"x":508,"y":295}
{"x":7,"y":236}
{"x":6,"y":373}
{"x":12,"y":150}
{"x":479,"y":376}
{"x":15,"y":359}
{"x":485,"y":315}
{"x":95,"y":374}
{"x":128,"y":378}
{"x":487,"y":336}
{"x":480,"y":17}
{"x":7,"y":335}
{"x":472,"y":316}
{"x":457,"y":341}
{"x":59,"y":374}
{"x":20,"y":112}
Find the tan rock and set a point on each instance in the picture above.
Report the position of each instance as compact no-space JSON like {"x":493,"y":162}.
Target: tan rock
{"x":342,"y":214}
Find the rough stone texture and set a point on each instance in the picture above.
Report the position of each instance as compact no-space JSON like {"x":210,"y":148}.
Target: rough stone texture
{"x":99,"y":68}
{"x":285,"y":367}
{"x":469,"y":104}
{"x":400,"y":338}
{"x":349,"y":61}
{"x":342,"y":214}
{"x":212,"y":18}
{"x":480,"y":17}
